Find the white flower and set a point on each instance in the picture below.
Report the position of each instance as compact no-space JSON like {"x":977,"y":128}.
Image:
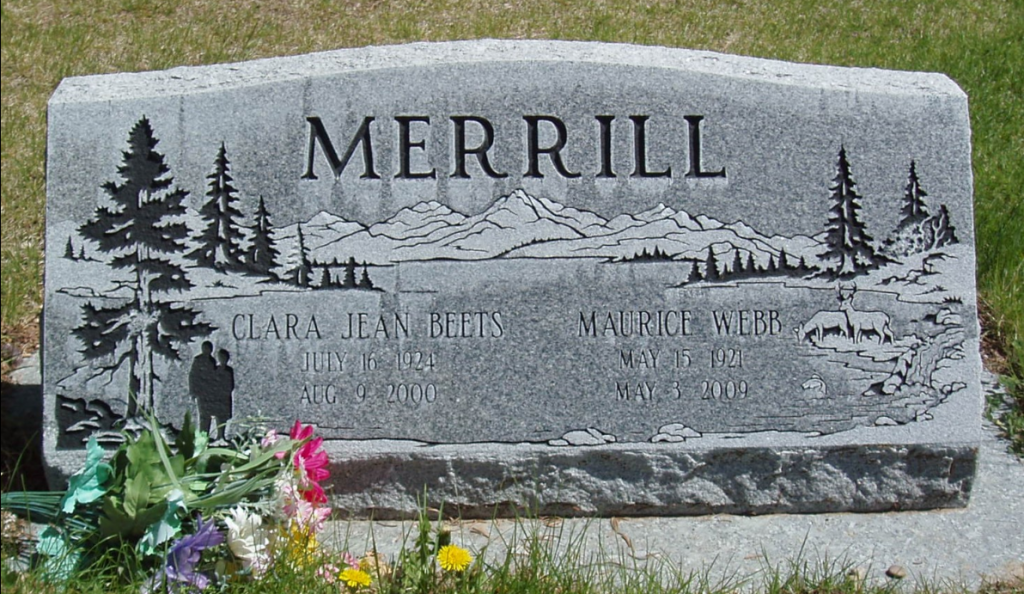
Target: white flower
{"x":248,"y":540}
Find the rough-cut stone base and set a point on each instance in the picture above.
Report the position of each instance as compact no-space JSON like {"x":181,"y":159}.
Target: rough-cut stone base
{"x":617,"y":480}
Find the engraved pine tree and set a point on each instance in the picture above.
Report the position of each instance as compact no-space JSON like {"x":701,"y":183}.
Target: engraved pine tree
{"x":711,"y":266}
{"x":138,"y":228}
{"x":914,"y":209}
{"x":849,"y":246}
{"x":302,"y":272}
{"x":918,"y":231}
{"x":263,"y":253}
{"x":364,"y":281}
{"x":220,"y":242}
{"x":350,"y":273}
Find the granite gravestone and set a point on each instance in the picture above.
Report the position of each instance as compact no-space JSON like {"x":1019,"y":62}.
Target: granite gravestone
{"x":577,"y":277}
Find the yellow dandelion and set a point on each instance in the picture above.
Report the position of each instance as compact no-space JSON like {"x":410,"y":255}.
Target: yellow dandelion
{"x":453,"y":558}
{"x":355,"y":578}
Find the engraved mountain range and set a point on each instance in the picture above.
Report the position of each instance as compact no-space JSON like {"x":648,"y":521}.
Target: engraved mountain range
{"x":523,"y":226}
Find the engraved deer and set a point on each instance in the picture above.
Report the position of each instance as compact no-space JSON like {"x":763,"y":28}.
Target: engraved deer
{"x":864,"y":322}
{"x":826,"y":321}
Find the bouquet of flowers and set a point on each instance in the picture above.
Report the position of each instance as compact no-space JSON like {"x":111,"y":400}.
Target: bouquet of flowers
{"x":189,"y":514}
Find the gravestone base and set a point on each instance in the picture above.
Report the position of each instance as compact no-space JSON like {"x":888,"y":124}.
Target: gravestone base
{"x":614,"y":480}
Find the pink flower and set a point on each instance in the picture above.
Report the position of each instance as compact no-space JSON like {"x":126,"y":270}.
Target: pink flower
{"x":271,"y":439}
{"x":311,"y":462}
{"x":311,"y":458}
{"x":308,"y":516}
{"x":350,"y":560}
{"x":328,"y":572}
{"x":299,"y":433}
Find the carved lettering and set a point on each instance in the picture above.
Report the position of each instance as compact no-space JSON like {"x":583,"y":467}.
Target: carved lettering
{"x":287,"y":327}
{"x":409,"y":141}
{"x":639,"y":358}
{"x":405,"y":146}
{"x":319,"y":394}
{"x":605,"y":123}
{"x":323,"y":361}
{"x":461,"y":150}
{"x":362,"y":325}
{"x":747,"y":322}
{"x":638,"y":392}
{"x":640,"y":149}
{"x":634,"y":323}
{"x":318,"y":136}
{"x":695,"y":159}
{"x":553,"y":152}
{"x":466,"y":324}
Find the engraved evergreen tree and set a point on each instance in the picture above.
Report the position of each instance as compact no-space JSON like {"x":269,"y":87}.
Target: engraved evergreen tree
{"x":919,"y":231}
{"x":303,"y":271}
{"x":849,"y":246}
{"x":364,"y":280}
{"x":139,"y":230}
{"x":940,"y":230}
{"x":737,"y":263}
{"x":914,"y":209}
{"x":350,"y":273}
{"x":695,"y":276}
{"x":711,"y":266}
{"x":220,"y":242}
{"x":263,"y":253}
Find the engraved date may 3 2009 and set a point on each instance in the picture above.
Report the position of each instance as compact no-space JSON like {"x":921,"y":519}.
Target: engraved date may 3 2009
{"x":649,"y":391}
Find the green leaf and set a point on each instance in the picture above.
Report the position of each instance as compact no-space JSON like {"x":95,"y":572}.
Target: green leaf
{"x":129,"y":522}
{"x":130,"y":513}
{"x":114,"y":521}
{"x":145,"y":464}
{"x":186,"y":441}
{"x":166,"y":528}
{"x":192,"y":441}
{"x":52,"y":542}
{"x":90,"y":483}
{"x":61,"y":560}
{"x":136,"y":494}
{"x":41,"y":507}
{"x":172,"y":469}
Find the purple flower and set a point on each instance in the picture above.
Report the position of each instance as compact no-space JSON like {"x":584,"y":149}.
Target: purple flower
{"x":185,"y":553}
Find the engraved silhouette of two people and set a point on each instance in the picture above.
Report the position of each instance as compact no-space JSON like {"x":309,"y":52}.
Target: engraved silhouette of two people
{"x":211,"y":382}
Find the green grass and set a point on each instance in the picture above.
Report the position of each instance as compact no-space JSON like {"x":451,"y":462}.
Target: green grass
{"x":977,"y":43}
{"x":534,"y":560}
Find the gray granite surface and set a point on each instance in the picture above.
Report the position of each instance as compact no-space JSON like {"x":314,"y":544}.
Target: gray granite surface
{"x":984,"y":540}
{"x":589,"y":278}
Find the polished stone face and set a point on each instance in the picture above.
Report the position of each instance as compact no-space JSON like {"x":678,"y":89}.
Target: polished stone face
{"x":479,"y":263}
